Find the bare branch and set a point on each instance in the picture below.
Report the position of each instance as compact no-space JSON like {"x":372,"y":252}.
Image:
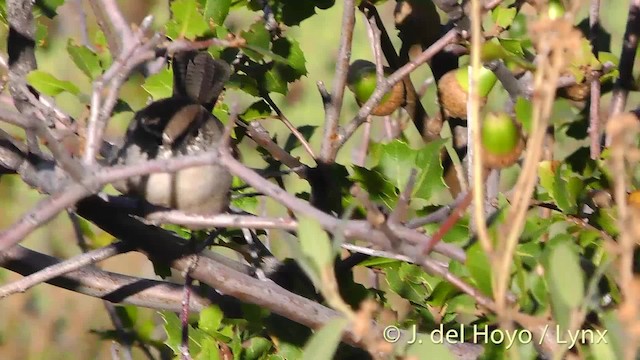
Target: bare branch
{"x":402,"y":206}
{"x":115,"y":28}
{"x":289,"y":125}
{"x":64,"y":267}
{"x":222,"y":220}
{"x":102,"y":284}
{"x":114,"y":78}
{"x":453,"y":218}
{"x":259,"y":134}
{"x":594,"y":103}
{"x":332,"y":116}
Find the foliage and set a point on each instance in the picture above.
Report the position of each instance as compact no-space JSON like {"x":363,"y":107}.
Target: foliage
{"x":561,"y":272}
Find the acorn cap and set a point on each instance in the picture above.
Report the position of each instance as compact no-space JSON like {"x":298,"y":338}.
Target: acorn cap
{"x":634,"y":199}
{"x":576,"y":92}
{"x":502,"y":140}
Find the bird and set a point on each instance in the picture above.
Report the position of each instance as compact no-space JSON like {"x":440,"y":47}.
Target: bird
{"x":180,"y":125}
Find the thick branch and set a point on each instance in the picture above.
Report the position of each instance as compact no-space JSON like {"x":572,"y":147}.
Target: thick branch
{"x":109,"y":286}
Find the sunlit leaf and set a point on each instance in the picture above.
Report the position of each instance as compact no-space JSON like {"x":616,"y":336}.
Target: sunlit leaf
{"x":159,"y":85}
{"x":217,"y":10}
{"x":324,"y":342}
{"x":49,"y":84}
{"x":85,"y":59}
{"x":187,"y":21}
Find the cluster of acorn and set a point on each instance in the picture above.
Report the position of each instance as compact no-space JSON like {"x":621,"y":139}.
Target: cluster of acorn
{"x":501,"y":136}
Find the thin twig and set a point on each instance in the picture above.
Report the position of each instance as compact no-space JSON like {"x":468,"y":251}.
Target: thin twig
{"x":438,"y":215}
{"x":332,"y":116}
{"x":61,"y":268}
{"x":594,"y":103}
{"x":115,"y":28}
{"x":261,"y":136}
{"x":399,"y":212}
{"x":84,"y":32}
{"x":453,"y":218}
{"x":623,"y":129}
{"x":360,"y":152}
{"x":474,"y":154}
{"x":289,"y":125}
{"x":123,"y":335}
{"x":114,"y":78}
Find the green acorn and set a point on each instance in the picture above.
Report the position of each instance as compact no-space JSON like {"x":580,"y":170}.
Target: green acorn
{"x":555,"y":9}
{"x":453,"y":90}
{"x":502,"y":141}
{"x":361,"y":80}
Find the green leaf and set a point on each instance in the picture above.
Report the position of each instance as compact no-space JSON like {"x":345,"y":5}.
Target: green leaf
{"x":604,"y":57}
{"x":376,"y":184}
{"x":42,"y":31}
{"x":399,"y":282}
{"x":127,"y":314}
{"x":315,"y":242}
{"x":49,"y":84}
{"x":258,"y":40}
{"x":429,"y":179}
{"x":48,"y":7}
{"x":293,"y":141}
{"x":294,"y":65}
{"x":208,"y":351}
{"x":503,"y":16}
{"x":480,"y":268}
{"x":396,"y":161}
{"x":567,"y":187}
{"x":524,"y":113}
{"x":102,"y":49}
{"x":160,"y":85}
{"x":565,"y":278}
{"x":244,"y":83}
{"x":173,"y":329}
{"x":257,"y":348}
{"x":257,"y":110}
{"x":381,"y":262}
{"x":85,"y":59}
{"x":323,"y":343}
{"x":274,"y":82}
{"x":187,"y":22}
{"x":217,"y":10}
{"x":210,"y":318}
{"x":425,"y":348}
{"x":513,"y":46}
{"x":442,"y":293}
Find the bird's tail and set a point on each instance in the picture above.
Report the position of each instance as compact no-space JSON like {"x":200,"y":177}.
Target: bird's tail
{"x":199,"y":77}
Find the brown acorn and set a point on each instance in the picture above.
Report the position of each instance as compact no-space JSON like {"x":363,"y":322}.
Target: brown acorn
{"x":453,"y":91}
{"x":502,"y":141}
{"x":362,"y":81}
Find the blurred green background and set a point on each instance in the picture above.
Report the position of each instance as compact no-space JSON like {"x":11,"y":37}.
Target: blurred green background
{"x":50,"y":323}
